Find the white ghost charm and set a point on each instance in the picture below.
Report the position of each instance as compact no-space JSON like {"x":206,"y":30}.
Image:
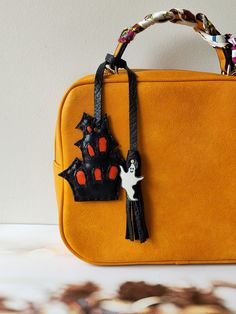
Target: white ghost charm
{"x":128,"y":180}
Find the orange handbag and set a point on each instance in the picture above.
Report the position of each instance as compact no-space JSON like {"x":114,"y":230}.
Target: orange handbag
{"x":145,"y":160}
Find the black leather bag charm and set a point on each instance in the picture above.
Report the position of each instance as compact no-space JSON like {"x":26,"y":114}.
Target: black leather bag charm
{"x":96,"y":177}
{"x":102,"y":171}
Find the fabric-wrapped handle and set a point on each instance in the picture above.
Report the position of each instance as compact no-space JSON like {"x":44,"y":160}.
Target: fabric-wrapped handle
{"x":225,"y":45}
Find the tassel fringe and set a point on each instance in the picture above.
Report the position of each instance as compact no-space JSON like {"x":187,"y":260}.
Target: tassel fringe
{"x":136,"y":228}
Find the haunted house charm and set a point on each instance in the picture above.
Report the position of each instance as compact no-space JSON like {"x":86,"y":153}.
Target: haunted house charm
{"x":96,"y":177}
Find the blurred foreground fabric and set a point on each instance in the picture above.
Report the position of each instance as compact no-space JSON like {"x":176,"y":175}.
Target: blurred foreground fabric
{"x":38,"y":275}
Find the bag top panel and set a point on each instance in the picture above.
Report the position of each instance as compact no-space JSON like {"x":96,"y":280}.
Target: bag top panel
{"x":149,"y":75}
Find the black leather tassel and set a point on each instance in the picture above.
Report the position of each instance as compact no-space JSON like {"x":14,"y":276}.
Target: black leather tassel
{"x":135,"y":222}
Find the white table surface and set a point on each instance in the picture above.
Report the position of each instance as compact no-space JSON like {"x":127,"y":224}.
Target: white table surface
{"x":34,"y":262}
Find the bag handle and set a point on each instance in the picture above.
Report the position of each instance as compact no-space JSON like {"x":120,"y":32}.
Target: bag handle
{"x":200,"y":23}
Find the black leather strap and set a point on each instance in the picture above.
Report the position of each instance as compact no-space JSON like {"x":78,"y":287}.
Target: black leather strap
{"x":133,"y":128}
{"x":98,"y":86}
{"x":98,"y":91}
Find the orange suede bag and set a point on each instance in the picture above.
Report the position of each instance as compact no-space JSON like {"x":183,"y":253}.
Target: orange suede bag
{"x":186,"y":123}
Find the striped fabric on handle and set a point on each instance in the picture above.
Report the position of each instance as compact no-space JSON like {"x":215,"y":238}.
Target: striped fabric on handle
{"x":225,"y":45}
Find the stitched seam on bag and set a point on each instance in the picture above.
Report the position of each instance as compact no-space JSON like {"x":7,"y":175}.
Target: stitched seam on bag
{"x":146,"y":81}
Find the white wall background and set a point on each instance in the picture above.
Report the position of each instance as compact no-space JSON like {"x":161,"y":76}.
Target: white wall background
{"x":48,"y":44}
